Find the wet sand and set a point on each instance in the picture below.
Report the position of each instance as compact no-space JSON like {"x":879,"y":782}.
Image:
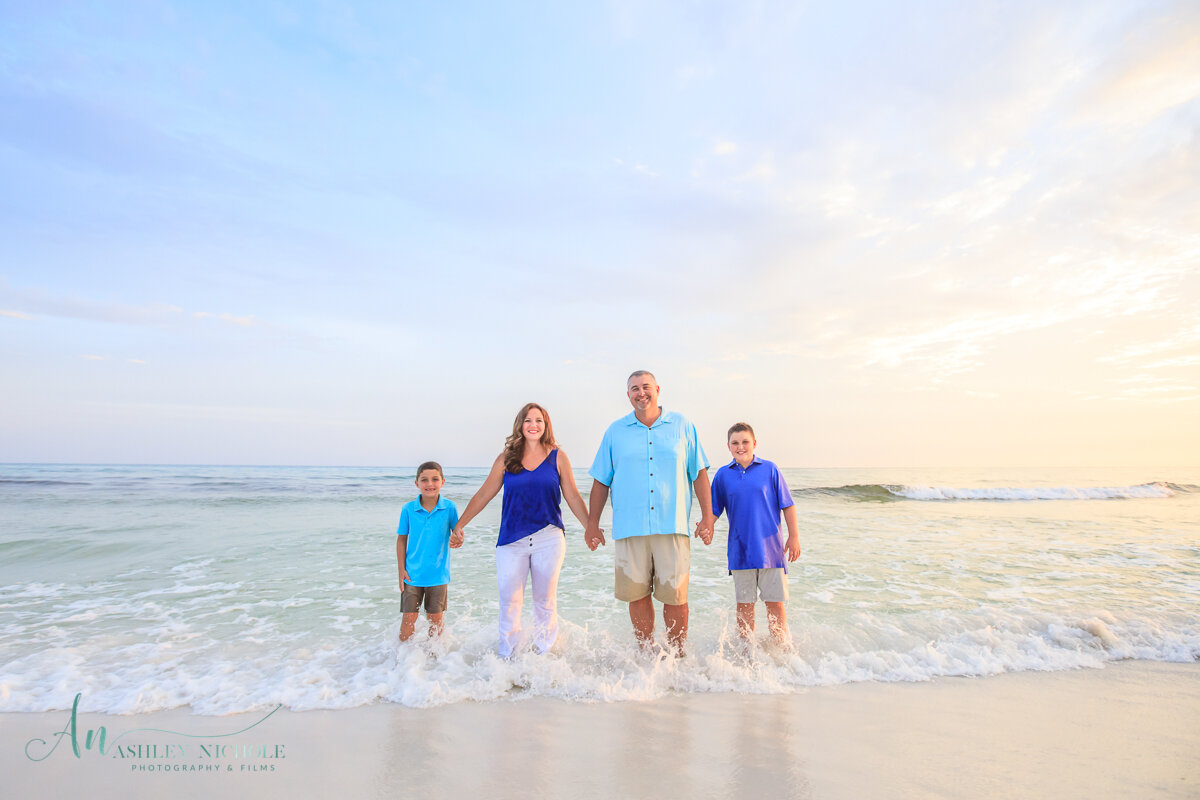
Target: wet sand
{"x":1130,"y":730}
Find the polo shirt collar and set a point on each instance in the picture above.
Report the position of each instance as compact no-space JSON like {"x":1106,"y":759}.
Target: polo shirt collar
{"x":442,"y":504}
{"x":631,"y":419}
{"x":753,"y":461}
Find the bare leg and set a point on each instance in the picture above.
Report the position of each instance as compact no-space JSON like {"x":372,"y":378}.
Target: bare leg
{"x":641,"y":614}
{"x":777,"y":622}
{"x":676,"y":620}
{"x":435,"y":624}
{"x":745,"y":621}
{"x":408,"y":623}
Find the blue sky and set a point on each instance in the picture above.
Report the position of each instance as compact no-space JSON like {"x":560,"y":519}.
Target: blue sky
{"x":885,"y":234}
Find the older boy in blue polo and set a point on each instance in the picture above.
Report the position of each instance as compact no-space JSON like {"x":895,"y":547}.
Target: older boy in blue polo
{"x":754,"y":493}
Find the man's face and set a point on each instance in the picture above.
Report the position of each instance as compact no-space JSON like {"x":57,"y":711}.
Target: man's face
{"x":642,"y":392}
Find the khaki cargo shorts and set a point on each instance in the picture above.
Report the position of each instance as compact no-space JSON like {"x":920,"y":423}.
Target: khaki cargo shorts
{"x":433,"y":597}
{"x":657,"y":563}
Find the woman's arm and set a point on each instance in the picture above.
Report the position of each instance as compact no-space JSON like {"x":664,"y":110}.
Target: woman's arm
{"x":566,"y":479}
{"x":492,"y":485}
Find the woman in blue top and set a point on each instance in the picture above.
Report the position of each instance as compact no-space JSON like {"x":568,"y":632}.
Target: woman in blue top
{"x":535,"y":475}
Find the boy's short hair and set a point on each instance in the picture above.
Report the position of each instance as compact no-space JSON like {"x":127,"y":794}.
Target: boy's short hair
{"x":431,"y":465}
{"x":737,"y":427}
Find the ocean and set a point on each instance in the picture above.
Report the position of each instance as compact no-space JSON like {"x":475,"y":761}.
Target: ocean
{"x":235,"y":588}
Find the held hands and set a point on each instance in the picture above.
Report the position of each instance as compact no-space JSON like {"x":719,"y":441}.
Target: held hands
{"x":457,"y":536}
{"x":793,"y":548}
{"x":593,"y":536}
{"x":704,"y":528}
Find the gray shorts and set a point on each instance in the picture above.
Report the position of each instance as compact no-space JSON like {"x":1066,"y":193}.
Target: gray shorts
{"x":434,"y":598}
{"x":750,"y":584}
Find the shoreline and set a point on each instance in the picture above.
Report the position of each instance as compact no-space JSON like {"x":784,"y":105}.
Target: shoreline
{"x":1131,"y":729}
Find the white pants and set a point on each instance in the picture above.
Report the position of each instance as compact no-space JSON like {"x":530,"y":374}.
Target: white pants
{"x":542,"y":555}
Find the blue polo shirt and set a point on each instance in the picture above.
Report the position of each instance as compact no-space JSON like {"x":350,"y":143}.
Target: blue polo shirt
{"x":428,"y":556}
{"x":755,"y":497}
{"x":649,"y":472}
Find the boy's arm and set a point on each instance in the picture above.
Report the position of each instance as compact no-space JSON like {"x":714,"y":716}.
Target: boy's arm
{"x":793,"y":539}
{"x":401,"y":555}
{"x":704,"y":528}
{"x":593,"y":537}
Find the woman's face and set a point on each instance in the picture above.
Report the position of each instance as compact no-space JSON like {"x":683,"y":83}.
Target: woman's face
{"x":534,"y":425}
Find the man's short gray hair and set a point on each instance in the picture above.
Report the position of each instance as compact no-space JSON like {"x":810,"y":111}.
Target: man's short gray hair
{"x":636,"y":373}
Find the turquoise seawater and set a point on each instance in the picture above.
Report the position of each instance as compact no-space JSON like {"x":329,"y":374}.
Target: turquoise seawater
{"x":236,"y":588}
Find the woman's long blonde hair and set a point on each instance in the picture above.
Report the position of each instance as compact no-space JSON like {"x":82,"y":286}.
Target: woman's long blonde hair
{"x":514,"y":445}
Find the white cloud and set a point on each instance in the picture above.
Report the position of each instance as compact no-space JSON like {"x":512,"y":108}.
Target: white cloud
{"x":236,"y":413}
{"x":1187,"y":339}
{"x":1155,"y":68}
{"x":763,"y":170}
{"x":84,"y":308}
{"x":243,"y":322}
{"x":981,"y":199}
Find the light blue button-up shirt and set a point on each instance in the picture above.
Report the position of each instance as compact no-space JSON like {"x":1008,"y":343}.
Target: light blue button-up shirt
{"x":649,"y":472}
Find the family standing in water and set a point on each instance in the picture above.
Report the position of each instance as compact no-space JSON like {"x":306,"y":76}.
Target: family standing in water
{"x":648,"y":463}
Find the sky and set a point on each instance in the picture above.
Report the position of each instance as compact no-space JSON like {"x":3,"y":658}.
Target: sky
{"x":885,"y":234}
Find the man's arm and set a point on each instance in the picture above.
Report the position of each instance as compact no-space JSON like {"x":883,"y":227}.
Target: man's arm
{"x":704,"y":528}
{"x":593,"y":537}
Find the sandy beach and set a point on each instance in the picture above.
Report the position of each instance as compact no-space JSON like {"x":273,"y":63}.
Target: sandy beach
{"x":1130,"y":730}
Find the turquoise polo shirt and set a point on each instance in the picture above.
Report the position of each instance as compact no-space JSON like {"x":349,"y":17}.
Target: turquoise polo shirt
{"x":649,"y":472}
{"x":428,"y":556}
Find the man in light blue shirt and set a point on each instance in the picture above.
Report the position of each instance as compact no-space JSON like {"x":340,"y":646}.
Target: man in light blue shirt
{"x":649,"y":462}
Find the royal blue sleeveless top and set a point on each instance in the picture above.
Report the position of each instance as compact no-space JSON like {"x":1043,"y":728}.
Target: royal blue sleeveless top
{"x":531,"y":501}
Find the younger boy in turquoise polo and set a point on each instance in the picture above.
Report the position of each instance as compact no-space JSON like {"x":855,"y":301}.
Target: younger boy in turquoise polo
{"x":422,"y":551}
{"x":754,"y":493}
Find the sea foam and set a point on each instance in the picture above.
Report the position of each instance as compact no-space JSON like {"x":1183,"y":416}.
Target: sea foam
{"x":231,"y":589}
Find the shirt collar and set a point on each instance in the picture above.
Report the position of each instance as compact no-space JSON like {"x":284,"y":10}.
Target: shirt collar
{"x":631,"y":419}
{"x":753,"y":461}
{"x":442,"y":504}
